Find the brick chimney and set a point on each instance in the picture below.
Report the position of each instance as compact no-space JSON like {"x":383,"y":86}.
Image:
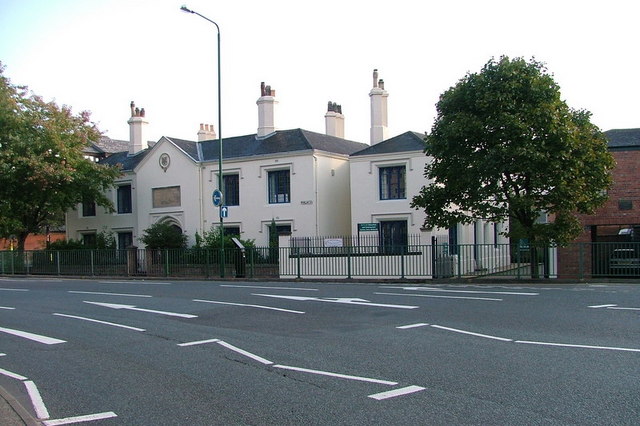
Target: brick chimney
{"x":266,"y":111}
{"x":206,"y":133}
{"x":378,"y":95}
{"x":334,"y":120}
{"x":137,"y":130}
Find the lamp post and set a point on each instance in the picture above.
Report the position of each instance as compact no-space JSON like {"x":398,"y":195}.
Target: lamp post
{"x":184,"y":8}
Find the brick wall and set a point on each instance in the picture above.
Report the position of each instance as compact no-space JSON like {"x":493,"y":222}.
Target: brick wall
{"x":626,"y":186}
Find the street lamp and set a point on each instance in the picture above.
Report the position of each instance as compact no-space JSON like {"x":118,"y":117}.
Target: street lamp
{"x":184,"y":8}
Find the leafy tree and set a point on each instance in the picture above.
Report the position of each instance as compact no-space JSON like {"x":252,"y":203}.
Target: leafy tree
{"x":164,"y":235}
{"x":506,"y":146}
{"x":43,"y":172}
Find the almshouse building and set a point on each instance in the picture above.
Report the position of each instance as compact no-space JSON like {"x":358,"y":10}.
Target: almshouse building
{"x":308,"y":184}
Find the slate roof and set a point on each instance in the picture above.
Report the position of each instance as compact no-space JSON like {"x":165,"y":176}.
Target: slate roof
{"x":109,"y":146}
{"x":623,"y":139}
{"x":125,"y":161}
{"x":282,"y":141}
{"x":408,"y":141}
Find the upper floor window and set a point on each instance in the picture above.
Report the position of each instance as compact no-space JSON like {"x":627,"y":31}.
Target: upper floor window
{"x":88,"y":208}
{"x":124,"y":199}
{"x":231,"y":189}
{"x":392,"y":183}
{"x":279,"y":187}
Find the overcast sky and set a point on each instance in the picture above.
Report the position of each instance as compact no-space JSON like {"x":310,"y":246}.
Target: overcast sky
{"x":99,"y":55}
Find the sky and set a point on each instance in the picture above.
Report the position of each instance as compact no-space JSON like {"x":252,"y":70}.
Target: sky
{"x":99,"y":55}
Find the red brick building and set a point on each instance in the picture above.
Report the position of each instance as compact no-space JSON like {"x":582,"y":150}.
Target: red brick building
{"x":618,"y":219}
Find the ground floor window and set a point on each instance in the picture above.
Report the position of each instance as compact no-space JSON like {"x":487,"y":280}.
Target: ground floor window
{"x":125,"y":240}
{"x":89,"y":240}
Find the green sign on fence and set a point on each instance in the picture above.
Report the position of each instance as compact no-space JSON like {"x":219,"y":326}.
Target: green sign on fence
{"x":367,"y":227}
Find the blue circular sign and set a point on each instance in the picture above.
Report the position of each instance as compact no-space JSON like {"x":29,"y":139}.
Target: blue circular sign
{"x":216,"y":197}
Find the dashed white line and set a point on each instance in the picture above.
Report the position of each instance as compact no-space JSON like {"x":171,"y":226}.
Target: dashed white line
{"x":199,"y":342}
{"x":7,"y":308}
{"x":511,"y":293}
{"x":502,"y":339}
{"x":249,"y":306}
{"x":113,"y":324}
{"x":442,"y":297}
{"x":12,"y":375}
{"x":1,"y":354}
{"x":36,"y":400}
{"x":420,"y":324}
{"x":31,"y":336}
{"x":396,"y":392}
{"x":14,"y":289}
{"x":338,"y":375}
{"x":110,"y":294}
{"x":602,"y":306}
{"x":80,"y":419}
{"x":624,"y":309}
{"x":134,"y":282}
{"x":568,"y":345}
{"x":245,"y":353}
{"x":271,"y":288}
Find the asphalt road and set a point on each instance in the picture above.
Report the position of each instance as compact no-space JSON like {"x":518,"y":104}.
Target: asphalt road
{"x":236,"y":353}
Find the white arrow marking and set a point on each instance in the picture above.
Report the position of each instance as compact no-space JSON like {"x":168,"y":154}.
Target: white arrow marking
{"x":134,"y":308}
{"x":112,"y":324}
{"x":31,"y":336}
{"x":346,"y":301}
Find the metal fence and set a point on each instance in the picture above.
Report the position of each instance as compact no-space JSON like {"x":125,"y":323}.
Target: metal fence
{"x":435,"y":261}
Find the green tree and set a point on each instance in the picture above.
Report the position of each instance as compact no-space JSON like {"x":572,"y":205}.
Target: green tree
{"x":164,"y":235}
{"x":505,"y":146}
{"x":43,"y":172}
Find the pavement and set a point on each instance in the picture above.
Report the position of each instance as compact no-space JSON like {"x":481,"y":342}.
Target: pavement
{"x":12,"y":413}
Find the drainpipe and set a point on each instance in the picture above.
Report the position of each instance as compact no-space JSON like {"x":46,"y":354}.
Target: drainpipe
{"x":315,"y":201}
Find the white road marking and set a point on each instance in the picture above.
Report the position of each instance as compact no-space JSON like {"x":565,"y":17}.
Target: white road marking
{"x":80,"y":419}
{"x":1,"y":354}
{"x":340,"y":376}
{"x":113,"y":324}
{"x":567,"y":345}
{"x":420,"y":324}
{"x":624,"y":309}
{"x":602,"y":306}
{"x":270,"y":288}
{"x":346,"y":301}
{"x":199,"y":342}
{"x":135,"y":282}
{"x":271,"y":308}
{"x":31,"y":336}
{"x":110,"y":294}
{"x":396,"y":392}
{"x":12,"y":375}
{"x":245,"y":353}
{"x":134,"y":308}
{"x":7,"y":308}
{"x":442,"y":297}
{"x":512,"y":293}
{"x":502,"y":339}
{"x":36,"y":400}
{"x":13,"y":289}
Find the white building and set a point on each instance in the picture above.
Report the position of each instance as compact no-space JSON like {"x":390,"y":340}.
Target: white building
{"x":310,"y":184}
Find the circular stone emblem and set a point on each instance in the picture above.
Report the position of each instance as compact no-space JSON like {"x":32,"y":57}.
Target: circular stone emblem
{"x":164,"y":161}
